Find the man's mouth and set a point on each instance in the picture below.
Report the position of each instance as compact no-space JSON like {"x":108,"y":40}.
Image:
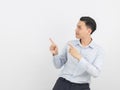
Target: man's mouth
{"x":77,"y":34}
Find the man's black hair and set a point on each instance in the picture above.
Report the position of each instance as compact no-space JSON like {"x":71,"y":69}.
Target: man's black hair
{"x":90,"y":22}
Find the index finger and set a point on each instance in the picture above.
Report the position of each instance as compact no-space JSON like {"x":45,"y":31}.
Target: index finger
{"x":51,"y":41}
{"x":70,"y":45}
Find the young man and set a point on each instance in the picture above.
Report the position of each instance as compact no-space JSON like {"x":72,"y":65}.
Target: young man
{"x":80,"y":59}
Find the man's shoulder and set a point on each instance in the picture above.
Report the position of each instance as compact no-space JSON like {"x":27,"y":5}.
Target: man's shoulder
{"x":98,"y":48}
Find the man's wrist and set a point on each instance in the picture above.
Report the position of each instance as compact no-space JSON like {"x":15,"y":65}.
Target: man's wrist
{"x":54,"y":54}
{"x":78,"y":57}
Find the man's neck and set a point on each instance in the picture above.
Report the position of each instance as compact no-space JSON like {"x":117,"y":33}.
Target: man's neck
{"x":85,"y":41}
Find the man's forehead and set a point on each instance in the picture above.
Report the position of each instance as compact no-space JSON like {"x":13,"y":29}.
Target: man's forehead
{"x":81,"y":23}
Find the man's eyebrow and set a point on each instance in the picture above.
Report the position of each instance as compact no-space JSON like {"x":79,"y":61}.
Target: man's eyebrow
{"x":78,"y":25}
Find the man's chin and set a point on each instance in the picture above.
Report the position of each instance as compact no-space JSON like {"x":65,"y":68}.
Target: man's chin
{"x":77,"y":37}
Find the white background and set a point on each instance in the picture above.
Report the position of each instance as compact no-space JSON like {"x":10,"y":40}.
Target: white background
{"x":25,"y":28}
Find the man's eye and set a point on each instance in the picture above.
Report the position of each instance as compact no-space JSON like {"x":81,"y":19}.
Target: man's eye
{"x":79,"y":27}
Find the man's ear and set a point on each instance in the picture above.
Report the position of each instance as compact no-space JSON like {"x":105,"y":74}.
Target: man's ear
{"x":89,"y":31}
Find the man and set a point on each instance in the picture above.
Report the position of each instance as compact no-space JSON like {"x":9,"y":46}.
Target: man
{"x":81,"y":58}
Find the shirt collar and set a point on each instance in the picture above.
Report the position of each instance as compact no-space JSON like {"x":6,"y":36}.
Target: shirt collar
{"x":91,"y":45}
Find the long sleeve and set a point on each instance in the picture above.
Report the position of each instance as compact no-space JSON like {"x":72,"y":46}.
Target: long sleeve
{"x":60,"y":59}
{"x":93,"y":68}
{"x":80,"y":71}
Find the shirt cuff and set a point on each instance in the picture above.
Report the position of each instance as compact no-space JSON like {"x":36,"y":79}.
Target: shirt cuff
{"x":55,"y":56}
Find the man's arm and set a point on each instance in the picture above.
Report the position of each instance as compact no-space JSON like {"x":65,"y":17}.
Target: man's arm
{"x":94,"y":68}
{"x":83,"y":65}
{"x":60,"y":59}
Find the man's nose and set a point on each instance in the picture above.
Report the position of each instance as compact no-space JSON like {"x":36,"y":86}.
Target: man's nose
{"x":76,"y":30}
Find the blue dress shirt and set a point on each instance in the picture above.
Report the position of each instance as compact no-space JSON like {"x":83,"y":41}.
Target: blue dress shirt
{"x":80,"y":71}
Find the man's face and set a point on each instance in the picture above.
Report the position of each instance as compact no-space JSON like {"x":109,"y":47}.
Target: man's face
{"x":82,"y":31}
